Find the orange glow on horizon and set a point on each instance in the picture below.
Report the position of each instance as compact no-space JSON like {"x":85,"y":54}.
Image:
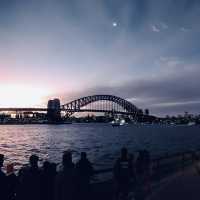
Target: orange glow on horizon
{"x":22,"y":96}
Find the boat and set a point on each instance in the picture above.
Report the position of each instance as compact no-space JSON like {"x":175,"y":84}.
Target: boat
{"x":191,"y":124}
{"x":118,"y":122}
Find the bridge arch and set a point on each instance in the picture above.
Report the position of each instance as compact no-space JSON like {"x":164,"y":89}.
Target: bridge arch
{"x":76,"y":105}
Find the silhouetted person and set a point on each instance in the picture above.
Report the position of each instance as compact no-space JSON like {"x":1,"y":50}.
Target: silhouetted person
{"x":147,"y":179}
{"x":30,"y":181}
{"x":132,"y":160}
{"x":123,"y":173}
{"x":143,"y":163}
{"x":12,"y":182}
{"x":84,"y":172}
{"x":3,"y":183}
{"x":66,"y":181}
{"x":143,"y":174}
{"x":47,"y":180}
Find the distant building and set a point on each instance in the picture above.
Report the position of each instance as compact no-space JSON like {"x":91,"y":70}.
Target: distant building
{"x":146,"y":111}
{"x":140,"y":112}
{"x":53,"y":111}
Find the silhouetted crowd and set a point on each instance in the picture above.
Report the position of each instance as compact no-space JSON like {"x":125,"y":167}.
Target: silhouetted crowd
{"x":73,"y":181}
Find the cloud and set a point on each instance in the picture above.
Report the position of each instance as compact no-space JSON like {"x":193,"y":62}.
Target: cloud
{"x":163,"y":25}
{"x":175,"y":104}
{"x":170,"y":63}
{"x":162,"y":94}
{"x":159,"y":27}
{"x":155,"y":28}
{"x":183,"y":29}
{"x":72,"y":47}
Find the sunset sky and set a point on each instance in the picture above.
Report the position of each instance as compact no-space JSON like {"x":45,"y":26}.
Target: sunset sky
{"x":146,"y":51}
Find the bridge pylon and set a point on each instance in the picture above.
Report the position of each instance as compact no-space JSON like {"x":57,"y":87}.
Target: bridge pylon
{"x":54,"y":111}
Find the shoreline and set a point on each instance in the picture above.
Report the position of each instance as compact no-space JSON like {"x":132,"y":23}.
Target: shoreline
{"x":68,"y":123}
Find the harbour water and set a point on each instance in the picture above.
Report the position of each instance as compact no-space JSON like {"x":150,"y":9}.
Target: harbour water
{"x":101,"y":141}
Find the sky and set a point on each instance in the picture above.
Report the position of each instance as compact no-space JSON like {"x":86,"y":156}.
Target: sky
{"x":146,"y":51}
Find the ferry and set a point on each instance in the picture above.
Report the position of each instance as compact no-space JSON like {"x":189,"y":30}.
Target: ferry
{"x":118,"y":122}
{"x":191,"y":124}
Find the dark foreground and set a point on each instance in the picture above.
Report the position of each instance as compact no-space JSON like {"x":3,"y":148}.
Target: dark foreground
{"x":185,"y":185}
{"x":73,"y":181}
{"x":135,"y":176}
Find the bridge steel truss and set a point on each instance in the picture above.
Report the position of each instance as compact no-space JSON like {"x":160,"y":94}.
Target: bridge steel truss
{"x":79,"y":105}
{"x":76,"y":105}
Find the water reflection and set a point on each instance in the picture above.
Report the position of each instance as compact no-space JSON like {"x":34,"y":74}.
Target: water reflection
{"x":101,"y":141}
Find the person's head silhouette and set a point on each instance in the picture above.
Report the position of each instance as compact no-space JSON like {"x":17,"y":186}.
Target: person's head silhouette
{"x":33,"y":160}
{"x":67,"y":158}
{"x":46,"y":165}
{"x":1,"y":160}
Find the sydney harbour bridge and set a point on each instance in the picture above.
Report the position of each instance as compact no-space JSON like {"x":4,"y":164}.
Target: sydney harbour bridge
{"x":94,"y":103}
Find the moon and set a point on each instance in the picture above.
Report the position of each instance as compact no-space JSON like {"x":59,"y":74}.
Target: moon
{"x":114,"y":24}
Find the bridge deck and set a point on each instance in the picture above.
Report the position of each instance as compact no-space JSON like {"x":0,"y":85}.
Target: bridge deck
{"x":23,"y":109}
{"x":65,"y":110}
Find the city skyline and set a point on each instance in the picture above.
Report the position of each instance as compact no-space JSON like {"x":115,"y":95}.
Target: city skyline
{"x":143,"y":50}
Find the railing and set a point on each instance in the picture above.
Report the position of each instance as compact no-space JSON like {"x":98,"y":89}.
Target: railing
{"x":164,"y":165}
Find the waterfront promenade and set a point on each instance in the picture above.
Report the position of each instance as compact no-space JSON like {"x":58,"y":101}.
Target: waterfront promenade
{"x":184,"y":185}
